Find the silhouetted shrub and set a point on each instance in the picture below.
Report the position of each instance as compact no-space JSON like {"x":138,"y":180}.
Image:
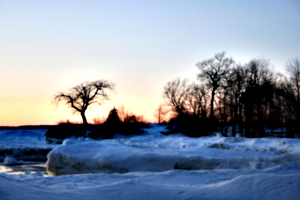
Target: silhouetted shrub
{"x":113,"y":117}
{"x":189,"y":125}
{"x":132,"y":125}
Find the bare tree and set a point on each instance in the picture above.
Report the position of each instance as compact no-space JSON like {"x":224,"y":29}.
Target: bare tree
{"x":82,"y":96}
{"x":186,"y":98}
{"x":293,"y":68}
{"x":213,"y":71}
{"x":176,"y":93}
{"x":160,"y":113}
{"x":258,"y":96}
{"x":197,"y":100}
{"x":235,"y":84}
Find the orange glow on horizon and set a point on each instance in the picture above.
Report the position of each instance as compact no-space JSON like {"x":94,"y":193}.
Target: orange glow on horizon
{"x":17,"y":113}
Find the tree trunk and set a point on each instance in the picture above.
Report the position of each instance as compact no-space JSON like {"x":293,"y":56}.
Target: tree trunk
{"x":234,"y":118}
{"x":83,"y":117}
{"x":298,"y":105}
{"x":211,"y":114}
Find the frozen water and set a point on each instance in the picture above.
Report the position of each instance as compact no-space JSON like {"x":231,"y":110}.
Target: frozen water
{"x":22,"y":138}
{"x":24,"y":144}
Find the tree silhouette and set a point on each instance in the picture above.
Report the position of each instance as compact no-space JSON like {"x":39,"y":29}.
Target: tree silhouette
{"x":160,"y":113}
{"x":176,"y":93}
{"x":258,"y":96}
{"x":213,"y":71}
{"x":235,"y":85}
{"x":293,"y":69}
{"x":82,"y":96}
{"x":251,"y":98}
{"x":113,"y":117}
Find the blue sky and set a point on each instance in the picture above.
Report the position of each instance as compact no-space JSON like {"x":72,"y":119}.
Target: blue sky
{"x":50,"y":46}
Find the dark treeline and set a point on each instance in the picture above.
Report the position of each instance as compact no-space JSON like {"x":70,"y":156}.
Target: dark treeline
{"x":228,"y":97}
{"x":249,"y":98}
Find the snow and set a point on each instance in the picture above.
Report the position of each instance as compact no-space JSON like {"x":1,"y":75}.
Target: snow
{"x":154,"y":166}
{"x":174,"y":184}
{"x":23,"y":144}
{"x":10,"y":161}
{"x":162,"y":153}
{"x":22,"y":137}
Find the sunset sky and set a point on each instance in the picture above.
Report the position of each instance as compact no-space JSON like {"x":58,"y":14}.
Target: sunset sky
{"x":51,"y":45}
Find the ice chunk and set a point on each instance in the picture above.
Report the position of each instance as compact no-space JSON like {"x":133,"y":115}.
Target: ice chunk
{"x":10,"y":161}
{"x":157,"y":153}
{"x":134,"y":154}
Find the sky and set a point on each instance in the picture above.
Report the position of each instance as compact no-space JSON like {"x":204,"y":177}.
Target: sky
{"x":50,"y":46}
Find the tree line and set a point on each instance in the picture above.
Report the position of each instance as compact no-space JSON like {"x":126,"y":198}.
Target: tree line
{"x":248,"y":98}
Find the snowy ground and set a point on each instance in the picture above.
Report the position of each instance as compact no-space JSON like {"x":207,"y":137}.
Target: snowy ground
{"x":154,"y":166}
{"x":24,"y":144}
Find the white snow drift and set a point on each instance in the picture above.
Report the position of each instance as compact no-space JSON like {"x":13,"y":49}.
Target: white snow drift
{"x":158,"y":153}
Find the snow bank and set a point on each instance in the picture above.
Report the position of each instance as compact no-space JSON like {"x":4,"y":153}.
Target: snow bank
{"x":157,"y":153}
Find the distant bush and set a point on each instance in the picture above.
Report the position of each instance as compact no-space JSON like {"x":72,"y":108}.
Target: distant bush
{"x":113,"y":117}
{"x":190,"y":125}
{"x":132,"y":125}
